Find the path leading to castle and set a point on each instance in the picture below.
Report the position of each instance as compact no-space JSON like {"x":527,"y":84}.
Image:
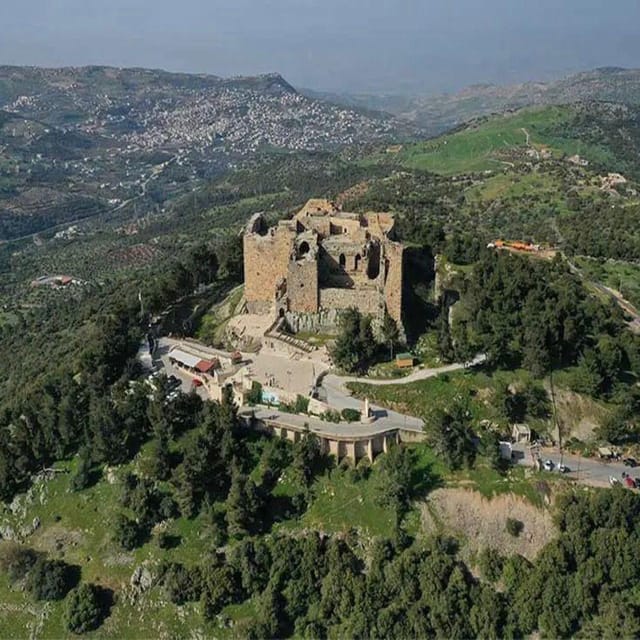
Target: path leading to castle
{"x":419,"y":374}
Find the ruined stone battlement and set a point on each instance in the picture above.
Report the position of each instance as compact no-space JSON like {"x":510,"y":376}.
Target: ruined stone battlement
{"x":323,"y":260}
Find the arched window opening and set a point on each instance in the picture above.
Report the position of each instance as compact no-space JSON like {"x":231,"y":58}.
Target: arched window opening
{"x":342,"y":260}
{"x":304,"y":248}
{"x":374,"y":267}
{"x":356,"y":261}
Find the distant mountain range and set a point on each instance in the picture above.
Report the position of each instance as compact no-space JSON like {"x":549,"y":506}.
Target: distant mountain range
{"x":439,"y":113}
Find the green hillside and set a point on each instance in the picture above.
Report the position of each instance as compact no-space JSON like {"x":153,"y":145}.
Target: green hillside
{"x":489,"y":144}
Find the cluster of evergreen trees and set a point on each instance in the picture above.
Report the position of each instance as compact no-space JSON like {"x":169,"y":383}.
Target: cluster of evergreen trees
{"x":599,"y":230}
{"x":538,"y":315}
{"x":65,"y":370}
{"x":317,"y":586}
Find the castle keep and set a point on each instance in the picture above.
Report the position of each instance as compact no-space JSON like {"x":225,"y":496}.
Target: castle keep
{"x":321,"y":262}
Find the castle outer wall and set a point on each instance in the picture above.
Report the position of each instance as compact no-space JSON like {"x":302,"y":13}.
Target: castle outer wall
{"x":321,"y":262}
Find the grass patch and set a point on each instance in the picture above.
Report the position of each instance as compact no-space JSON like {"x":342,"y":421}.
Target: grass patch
{"x":481,"y":146}
{"x":490,"y":482}
{"x":425,"y":398}
{"x":316,"y":339}
{"x":212,"y":325}
{"x":342,"y":504}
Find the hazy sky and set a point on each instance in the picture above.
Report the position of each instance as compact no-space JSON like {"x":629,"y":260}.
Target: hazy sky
{"x":358,"y":45}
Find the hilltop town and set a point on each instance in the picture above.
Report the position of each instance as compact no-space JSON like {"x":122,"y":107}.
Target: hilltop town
{"x":83,"y":142}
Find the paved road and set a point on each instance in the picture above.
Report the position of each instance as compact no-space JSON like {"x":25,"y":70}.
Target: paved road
{"x":623,"y":303}
{"x":584,"y":470}
{"x":591,"y":471}
{"x":419,"y":374}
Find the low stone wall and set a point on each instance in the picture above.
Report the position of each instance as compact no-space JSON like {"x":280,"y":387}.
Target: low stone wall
{"x":365,"y":300}
{"x":411,"y":437}
{"x":310,"y":322}
{"x":317,"y":407}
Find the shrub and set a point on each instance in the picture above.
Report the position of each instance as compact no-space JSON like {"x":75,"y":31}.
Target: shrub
{"x":182,"y":584}
{"x":514,"y":527}
{"x":302,"y":404}
{"x":83,"y":612}
{"x":164,"y":540}
{"x":331,"y":415}
{"x":128,"y":533}
{"x":351,"y":415}
{"x":17,"y":560}
{"x":255,"y":395}
{"x":491,"y":564}
{"x":50,"y":579}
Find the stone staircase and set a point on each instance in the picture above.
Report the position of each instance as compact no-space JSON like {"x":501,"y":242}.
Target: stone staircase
{"x":274,"y":332}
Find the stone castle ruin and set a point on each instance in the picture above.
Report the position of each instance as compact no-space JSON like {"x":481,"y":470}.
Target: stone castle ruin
{"x":321,"y":262}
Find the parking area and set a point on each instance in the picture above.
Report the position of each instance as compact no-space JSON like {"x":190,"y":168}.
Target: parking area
{"x":591,"y":471}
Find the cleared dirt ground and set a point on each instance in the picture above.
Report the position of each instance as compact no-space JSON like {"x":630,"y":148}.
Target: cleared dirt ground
{"x":481,"y":522}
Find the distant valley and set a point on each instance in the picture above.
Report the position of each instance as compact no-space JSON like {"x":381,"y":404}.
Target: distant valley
{"x":439,"y":113}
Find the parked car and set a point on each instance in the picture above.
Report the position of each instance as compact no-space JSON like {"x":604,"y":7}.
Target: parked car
{"x":613,"y":480}
{"x":630,"y":462}
{"x":173,"y":381}
{"x":196,"y":383}
{"x":630,"y":482}
{"x":548,"y":465}
{"x":562,"y":468}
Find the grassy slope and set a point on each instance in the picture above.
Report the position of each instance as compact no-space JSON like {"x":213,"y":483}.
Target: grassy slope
{"x":479,"y":147}
{"x":77,"y":527}
{"x":427,"y":397}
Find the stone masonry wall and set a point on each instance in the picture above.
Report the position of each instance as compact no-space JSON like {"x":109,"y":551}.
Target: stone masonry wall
{"x":266,"y":258}
{"x":302,"y":286}
{"x":365,"y":300}
{"x":393,"y":285}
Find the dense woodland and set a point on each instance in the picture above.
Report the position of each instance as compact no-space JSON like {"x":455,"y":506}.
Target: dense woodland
{"x":314,"y":585}
{"x":68,"y":392}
